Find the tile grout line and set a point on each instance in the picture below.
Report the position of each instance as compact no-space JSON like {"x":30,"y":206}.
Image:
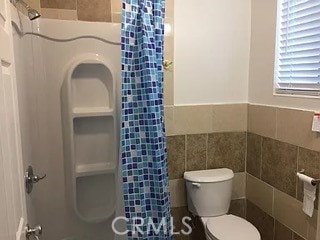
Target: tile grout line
{"x":261,"y":139}
{"x":272,"y":209}
{"x":258,"y":179}
{"x":297,"y":170}
{"x":274,"y":229}
{"x":276,"y":132}
{"x":207,"y":149}
{"x":246,"y":153}
{"x":308,"y":230}
{"x":185,"y":152}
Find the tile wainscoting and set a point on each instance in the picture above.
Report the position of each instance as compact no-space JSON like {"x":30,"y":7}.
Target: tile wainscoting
{"x":265,"y":155}
{"x":84,"y":10}
{"x":197,"y":119}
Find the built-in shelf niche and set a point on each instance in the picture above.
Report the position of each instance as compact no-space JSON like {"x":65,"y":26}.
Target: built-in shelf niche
{"x":93,"y":207}
{"x":94,"y":145}
{"x":90,"y":137}
{"x":92,"y":86}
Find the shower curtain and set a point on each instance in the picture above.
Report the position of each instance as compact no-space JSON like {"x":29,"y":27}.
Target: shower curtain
{"x":144,"y":160}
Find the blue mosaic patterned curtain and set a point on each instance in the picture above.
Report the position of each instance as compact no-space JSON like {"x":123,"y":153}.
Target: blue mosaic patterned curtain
{"x":144,"y":161}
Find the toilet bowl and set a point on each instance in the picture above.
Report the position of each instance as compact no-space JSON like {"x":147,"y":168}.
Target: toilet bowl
{"x":229,"y":227}
{"x":209,"y":196}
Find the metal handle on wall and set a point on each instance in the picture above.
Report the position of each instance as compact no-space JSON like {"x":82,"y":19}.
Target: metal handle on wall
{"x":33,"y":233}
{"x":167,"y":64}
{"x":31,"y":178}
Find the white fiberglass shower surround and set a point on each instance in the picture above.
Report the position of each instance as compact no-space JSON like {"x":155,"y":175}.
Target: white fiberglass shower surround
{"x":68,"y":75}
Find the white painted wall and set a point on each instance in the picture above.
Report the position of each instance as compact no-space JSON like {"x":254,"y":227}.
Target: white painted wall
{"x":212,"y":45}
{"x":264,"y":14}
{"x":224,"y":53}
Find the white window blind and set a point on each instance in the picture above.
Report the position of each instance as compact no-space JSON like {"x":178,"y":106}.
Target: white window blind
{"x":298,"y":47}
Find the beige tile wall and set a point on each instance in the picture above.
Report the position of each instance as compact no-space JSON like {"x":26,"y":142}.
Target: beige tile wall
{"x":181,"y":160}
{"x":281,"y":207}
{"x":204,"y":137}
{"x":85,"y":10}
{"x":283,"y":124}
{"x":277,"y":163}
{"x":34,"y":4}
{"x":194,"y":152}
{"x":191,"y":152}
{"x":280,"y":143}
{"x":206,"y":119}
{"x":261,"y":220}
{"x":91,"y":10}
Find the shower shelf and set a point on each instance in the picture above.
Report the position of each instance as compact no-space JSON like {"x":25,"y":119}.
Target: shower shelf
{"x":94,"y":169}
{"x":92,"y":112}
{"x":90,"y":137}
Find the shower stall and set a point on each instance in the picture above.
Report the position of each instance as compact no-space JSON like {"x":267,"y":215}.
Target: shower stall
{"x":69,"y":84}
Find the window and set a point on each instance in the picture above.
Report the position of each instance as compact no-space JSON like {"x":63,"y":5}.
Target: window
{"x":297,"y":68}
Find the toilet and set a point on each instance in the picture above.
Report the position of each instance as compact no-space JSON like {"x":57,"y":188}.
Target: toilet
{"x":209,"y":196}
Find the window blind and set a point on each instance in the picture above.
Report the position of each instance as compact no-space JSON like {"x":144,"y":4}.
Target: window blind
{"x":298,"y":47}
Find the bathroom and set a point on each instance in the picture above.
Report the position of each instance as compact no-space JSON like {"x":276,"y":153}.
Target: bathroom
{"x":224,"y":107}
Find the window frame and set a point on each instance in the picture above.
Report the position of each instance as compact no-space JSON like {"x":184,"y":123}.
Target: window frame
{"x":283,"y":89}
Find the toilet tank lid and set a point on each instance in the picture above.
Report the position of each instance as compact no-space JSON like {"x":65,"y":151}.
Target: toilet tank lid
{"x":206,"y":176}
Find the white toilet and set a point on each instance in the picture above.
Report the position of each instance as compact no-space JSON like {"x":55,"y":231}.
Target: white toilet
{"x":209,"y":197}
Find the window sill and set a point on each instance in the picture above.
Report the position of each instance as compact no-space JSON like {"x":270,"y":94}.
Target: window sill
{"x":297,"y":94}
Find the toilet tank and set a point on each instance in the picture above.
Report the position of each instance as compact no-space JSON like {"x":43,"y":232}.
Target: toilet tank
{"x":209,"y":191}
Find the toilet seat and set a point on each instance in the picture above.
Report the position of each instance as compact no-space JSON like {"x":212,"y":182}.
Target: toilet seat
{"x":230,"y":227}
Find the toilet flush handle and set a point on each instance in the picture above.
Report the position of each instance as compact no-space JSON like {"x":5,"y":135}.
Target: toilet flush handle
{"x":198,"y":185}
